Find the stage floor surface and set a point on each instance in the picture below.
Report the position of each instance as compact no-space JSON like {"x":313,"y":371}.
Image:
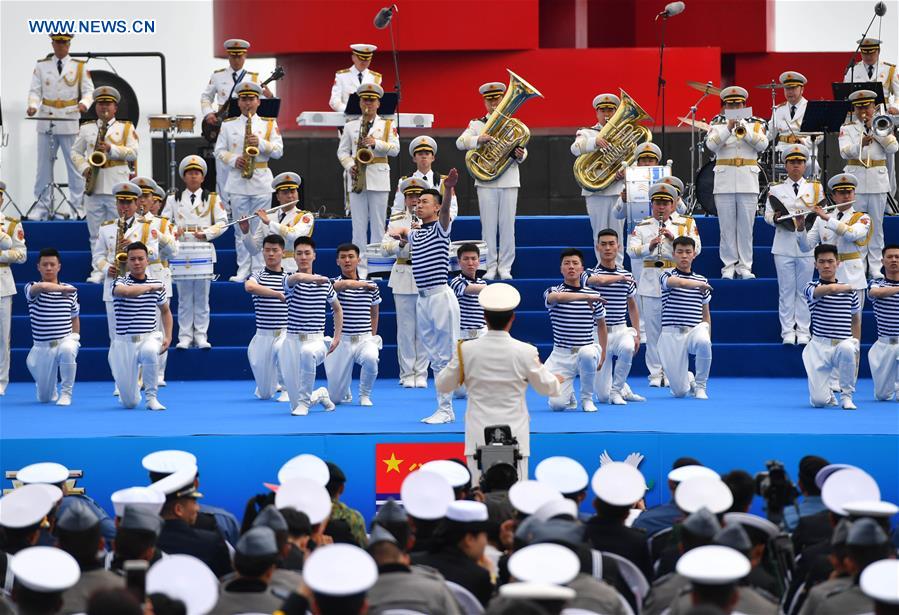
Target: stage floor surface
{"x":222,"y":408}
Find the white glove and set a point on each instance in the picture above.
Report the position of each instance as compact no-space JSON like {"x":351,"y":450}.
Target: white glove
{"x":604,"y":458}
{"x":634,"y":459}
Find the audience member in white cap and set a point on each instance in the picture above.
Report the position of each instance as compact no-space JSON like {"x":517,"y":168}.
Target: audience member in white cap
{"x":425,"y":496}
{"x":713,"y":572}
{"x":42,"y":575}
{"x":339,"y":576}
{"x":566,"y":475}
{"x":879,"y":583}
{"x":183,"y":579}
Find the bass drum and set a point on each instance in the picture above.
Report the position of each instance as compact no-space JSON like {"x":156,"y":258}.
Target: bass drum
{"x":705,"y":188}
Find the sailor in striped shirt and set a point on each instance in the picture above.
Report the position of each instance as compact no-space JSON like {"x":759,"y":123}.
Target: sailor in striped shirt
{"x":467,"y":286}
{"x":575,"y":311}
{"x":270,"y":305}
{"x":55,"y":329}
{"x":308,"y":296}
{"x":360,"y":301}
{"x":883,"y":357}
{"x":686,"y":323}
{"x":437,"y":308}
{"x":618,"y":287}
{"x":836,"y":330}
{"x":137,"y":344}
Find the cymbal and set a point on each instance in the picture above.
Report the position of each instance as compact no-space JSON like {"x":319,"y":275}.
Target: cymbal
{"x":705,"y":88}
{"x":52,"y":119}
{"x":695,"y":123}
{"x":771,"y":86}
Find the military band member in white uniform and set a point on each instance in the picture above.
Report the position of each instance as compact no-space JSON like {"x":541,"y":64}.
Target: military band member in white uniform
{"x":793,"y":264}
{"x":137,"y":344}
{"x":55,"y":328}
{"x":198,"y":216}
{"x":736,"y":145}
{"x":871,"y":68}
{"x":646,"y":155}
{"x":836,"y":331}
{"x":883,"y":357}
{"x":412,"y":355}
{"x":12,"y":252}
{"x":119,"y":146}
{"x":423,"y":150}
{"x":498,"y":198}
{"x":368,"y":184}
{"x":289,"y":222}
{"x":467,"y":286}
{"x":348,"y":80}
{"x":360,"y":343}
{"x":618,"y":287}
{"x":269,"y":304}
{"x":686,"y":323}
{"x":866,"y":154}
{"x":305,"y":348}
{"x":437,"y":310}
{"x":601,"y":202}
{"x":496,"y":370}
{"x":578,"y":321}
{"x":250,"y":194}
{"x":784,"y":127}
{"x":651,"y":242}
{"x":61,"y":87}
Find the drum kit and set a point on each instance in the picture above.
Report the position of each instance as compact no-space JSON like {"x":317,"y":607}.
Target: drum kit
{"x":169,"y":125}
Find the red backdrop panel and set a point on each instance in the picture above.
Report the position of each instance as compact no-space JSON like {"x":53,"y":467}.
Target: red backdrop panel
{"x":736,"y":26}
{"x":330,"y":25}
{"x":446,"y":84}
{"x":821,"y":69}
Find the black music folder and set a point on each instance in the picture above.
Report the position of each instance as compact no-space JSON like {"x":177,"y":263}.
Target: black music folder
{"x":388,"y":104}
{"x":825,"y":115}
{"x":268,"y":107}
{"x":841,"y":91}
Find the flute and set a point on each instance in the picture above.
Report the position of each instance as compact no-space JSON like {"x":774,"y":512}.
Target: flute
{"x":826,"y":208}
{"x":256,"y":215}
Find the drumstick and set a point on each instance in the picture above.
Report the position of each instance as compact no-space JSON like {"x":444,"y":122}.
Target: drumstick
{"x":267,"y":211}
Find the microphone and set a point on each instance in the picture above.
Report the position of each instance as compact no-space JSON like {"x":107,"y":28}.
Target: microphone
{"x":676,"y":8}
{"x":880,"y":9}
{"x":382,"y":19}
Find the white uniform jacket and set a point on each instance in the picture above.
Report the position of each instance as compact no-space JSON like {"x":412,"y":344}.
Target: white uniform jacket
{"x":585,"y":143}
{"x":736,"y":159}
{"x":346,"y":82}
{"x":12,"y":252}
{"x":122,"y":136}
{"x":220,"y":85}
{"x":230,"y":145}
{"x":56,"y":94}
{"x":810,"y":193}
{"x":850,"y":235}
{"x":867,"y":163}
{"x":387,"y":143}
{"x":401,"y":280}
{"x":638,"y":248}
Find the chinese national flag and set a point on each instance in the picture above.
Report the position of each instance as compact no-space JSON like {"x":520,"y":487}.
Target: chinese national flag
{"x":393,"y":462}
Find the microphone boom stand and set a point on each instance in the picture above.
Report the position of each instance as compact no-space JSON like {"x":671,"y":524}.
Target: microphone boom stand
{"x":660,"y":89}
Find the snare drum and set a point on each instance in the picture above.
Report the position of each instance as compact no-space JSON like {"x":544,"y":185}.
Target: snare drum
{"x":454,"y":258}
{"x":184,"y":123}
{"x":194,"y":261}
{"x":160,"y":122}
{"x":379,"y":265}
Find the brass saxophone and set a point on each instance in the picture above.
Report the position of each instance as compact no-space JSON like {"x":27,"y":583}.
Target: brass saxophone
{"x":96,"y":160}
{"x":121,"y":257}
{"x":249,"y":151}
{"x":597,"y":169}
{"x":363,"y":157}
{"x":490,"y":160}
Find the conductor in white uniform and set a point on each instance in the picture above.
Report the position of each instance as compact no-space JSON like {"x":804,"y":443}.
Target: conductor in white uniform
{"x":496,"y":369}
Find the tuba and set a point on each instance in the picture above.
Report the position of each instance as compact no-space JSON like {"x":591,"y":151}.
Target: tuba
{"x":363,"y":157}
{"x":490,"y":160}
{"x":96,"y":160}
{"x":249,"y":152}
{"x":596,"y":170}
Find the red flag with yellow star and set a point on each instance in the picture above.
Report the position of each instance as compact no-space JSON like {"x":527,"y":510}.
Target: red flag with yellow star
{"x":393,"y":462}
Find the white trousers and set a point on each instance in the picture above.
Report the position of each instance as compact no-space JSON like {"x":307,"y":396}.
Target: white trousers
{"x":497,"y":207}
{"x":298,"y":360}
{"x":736,"y":215}
{"x":98,"y":208}
{"x":221,"y":179}
{"x":368,"y":210}
{"x":620,"y":345}
{"x":110,"y":320}
{"x":820,"y":357}
{"x":410,"y":349}
{"x":793,"y":275}
{"x":46,"y":359}
{"x":130,"y":356}
{"x":193,"y":309}
{"x":651,"y":321}
{"x":675,"y":346}
{"x":5,"y":328}
{"x":438,"y":326}
{"x":874,"y":205}
{"x":571,"y":362}
{"x":63,"y":144}
{"x":244,"y":205}
{"x":263,"y":353}
{"x":363,"y":350}
{"x":599,"y":208}
{"x":883,"y":358}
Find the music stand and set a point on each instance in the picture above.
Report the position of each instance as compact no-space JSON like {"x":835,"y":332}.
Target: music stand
{"x":841,"y":91}
{"x":389,"y":102}
{"x":824,"y":116}
{"x":268,"y":107}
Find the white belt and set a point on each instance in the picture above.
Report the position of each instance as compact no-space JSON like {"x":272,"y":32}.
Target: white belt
{"x":469,"y":334}
{"x":357,"y":337}
{"x":269,"y":332}
{"x":828,"y":341}
{"x":135,"y":337}
{"x":50,"y":343}
{"x":620,"y":327}
{"x":892,"y":340}
{"x":679,"y":328}
{"x":427,"y":292}
{"x":571,"y":349}
{"x":306,"y":337}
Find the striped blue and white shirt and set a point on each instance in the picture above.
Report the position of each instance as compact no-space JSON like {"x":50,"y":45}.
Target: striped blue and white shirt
{"x":470,"y":311}
{"x":573,"y":322}
{"x":307,"y":304}
{"x":616,"y":295}
{"x":271,"y":313}
{"x":356,"y":304}
{"x":136,"y":315}
{"x":682,"y":307}
{"x":831,"y":314}
{"x":430,"y":247}
{"x":51,"y":314}
{"x":886,"y":309}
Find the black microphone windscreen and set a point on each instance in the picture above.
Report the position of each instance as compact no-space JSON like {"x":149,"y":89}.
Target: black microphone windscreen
{"x":383,"y":18}
{"x":880,"y":9}
{"x":675,"y":8}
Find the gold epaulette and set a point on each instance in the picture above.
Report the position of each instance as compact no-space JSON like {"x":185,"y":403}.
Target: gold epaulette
{"x":397,"y":216}
{"x":404,"y":177}
{"x":377,"y":74}
{"x":231,"y":119}
{"x":213,"y":193}
{"x":163,"y":218}
{"x":45,"y":58}
{"x":267,"y":119}
{"x":11,"y":219}
{"x":646,"y":221}
{"x":79,"y":60}
{"x":254,"y":74}
{"x":783,"y":104}
{"x":775,"y":183}
{"x":108,"y":222}
{"x":342,"y":71}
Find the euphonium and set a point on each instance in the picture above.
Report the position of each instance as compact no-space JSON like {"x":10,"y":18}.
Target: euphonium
{"x":121,"y":257}
{"x":363,"y":156}
{"x":249,"y":151}
{"x":490,"y":160}
{"x":96,"y":160}
{"x":597,"y":169}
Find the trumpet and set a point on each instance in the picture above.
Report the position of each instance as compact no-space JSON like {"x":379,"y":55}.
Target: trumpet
{"x":740,"y":129}
{"x":884,"y":125}
{"x":826,"y":208}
